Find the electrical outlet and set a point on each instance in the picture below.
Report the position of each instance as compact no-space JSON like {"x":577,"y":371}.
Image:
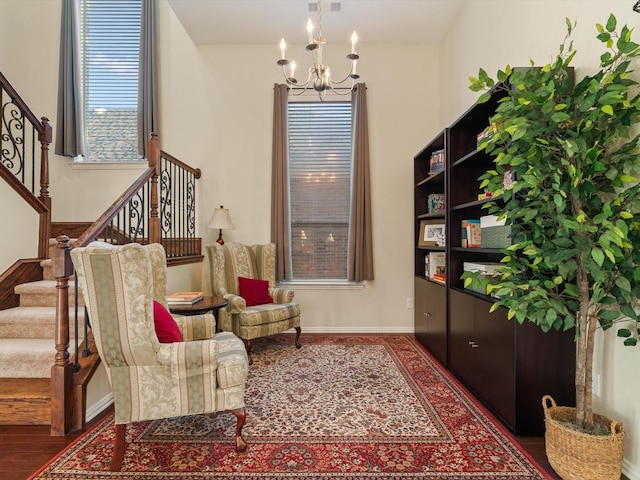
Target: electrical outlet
{"x":409,"y":302}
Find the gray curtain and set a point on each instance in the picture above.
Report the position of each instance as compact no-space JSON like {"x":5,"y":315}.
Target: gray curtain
{"x":69,"y":125}
{"x":147,"y":77}
{"x":280,"y":184}
{"x":360,"y":244}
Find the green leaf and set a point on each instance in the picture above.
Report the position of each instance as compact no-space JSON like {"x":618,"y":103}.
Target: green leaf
{"x":624,"y":284}
{"x":607,"y":316}
{"x":597,"y":255}
{"x":630,"y":342}
{"x":611,"y":23}
{"x":608,"y":109}
{"x":484,"y":97}
{"x":624,"y":332}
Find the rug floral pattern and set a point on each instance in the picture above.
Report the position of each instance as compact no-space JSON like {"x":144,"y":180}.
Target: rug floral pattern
{"x":355,"y":406}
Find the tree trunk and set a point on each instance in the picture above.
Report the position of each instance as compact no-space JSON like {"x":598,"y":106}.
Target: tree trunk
{"x":584,"y":353}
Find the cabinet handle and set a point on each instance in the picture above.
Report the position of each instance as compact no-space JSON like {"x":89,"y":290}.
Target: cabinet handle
{"x":473,"y":344}
{"x":427,"y":314}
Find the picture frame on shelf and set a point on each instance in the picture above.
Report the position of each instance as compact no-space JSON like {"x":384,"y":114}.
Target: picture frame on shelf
{"x":432,"y":234}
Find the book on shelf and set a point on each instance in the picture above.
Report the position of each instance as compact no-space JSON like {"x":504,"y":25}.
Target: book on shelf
{"x":471,"y":234}
{"x":435,"y":202}
{"x":184,"y":298}
{"x":437,"y":266}
{"x":436,"y":162}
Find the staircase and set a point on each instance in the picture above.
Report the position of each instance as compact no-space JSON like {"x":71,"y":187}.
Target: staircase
{"x":27,"y":350}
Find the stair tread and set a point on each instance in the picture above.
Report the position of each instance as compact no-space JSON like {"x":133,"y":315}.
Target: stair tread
{"x":8,"y":345}
{"x":35,"y":345}
{"x":47,"y":286}
{"x":35,"y":312}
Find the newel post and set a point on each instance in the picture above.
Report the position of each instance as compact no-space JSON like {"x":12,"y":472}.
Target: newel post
{"x":154,"y":162}
{"x":62,"y":370}
{"x":45,"y":138}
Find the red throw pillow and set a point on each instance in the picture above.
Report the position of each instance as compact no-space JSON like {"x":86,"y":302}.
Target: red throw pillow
{"x":254,"y":292}
{"x":166,"y":327}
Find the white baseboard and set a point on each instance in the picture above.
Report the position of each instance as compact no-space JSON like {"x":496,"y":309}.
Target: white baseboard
{"x":387,"y":330}
{"x":98,"y":407}
{"x":632,"y":472}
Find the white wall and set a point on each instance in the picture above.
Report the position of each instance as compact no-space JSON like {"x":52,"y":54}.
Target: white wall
{"x":494,"y":33}
{"x":224,"y":95}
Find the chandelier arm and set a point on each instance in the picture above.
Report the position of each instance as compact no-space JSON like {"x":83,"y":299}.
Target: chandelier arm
{"x":347,"y":90}
{"x":344,"y":79}
{"x":301,"y":87}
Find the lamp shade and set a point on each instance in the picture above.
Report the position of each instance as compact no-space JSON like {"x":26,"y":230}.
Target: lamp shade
{"x":221,"y":219}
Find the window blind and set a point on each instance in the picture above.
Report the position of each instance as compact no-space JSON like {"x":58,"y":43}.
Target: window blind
{"x":320,"y":160}
{"x":110,"y":52}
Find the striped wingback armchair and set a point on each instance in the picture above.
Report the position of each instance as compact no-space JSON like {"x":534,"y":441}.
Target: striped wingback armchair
{"x":231,"y":261}
{"x":204,"y":373}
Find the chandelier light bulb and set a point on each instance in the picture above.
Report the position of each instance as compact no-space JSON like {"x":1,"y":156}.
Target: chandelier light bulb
{"x":354,"y":39}
{"x":283,"y":47}
{"x":310,"y":31}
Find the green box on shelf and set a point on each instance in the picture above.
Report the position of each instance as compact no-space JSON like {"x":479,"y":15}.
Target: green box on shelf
{"x":496,"y":237}
{"x":495,"y":234}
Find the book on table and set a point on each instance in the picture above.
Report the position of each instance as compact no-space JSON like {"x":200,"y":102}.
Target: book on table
{"x":184,"y":298}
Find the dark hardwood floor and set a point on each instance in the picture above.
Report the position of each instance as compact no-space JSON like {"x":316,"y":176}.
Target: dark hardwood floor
{"x":25,"y":449}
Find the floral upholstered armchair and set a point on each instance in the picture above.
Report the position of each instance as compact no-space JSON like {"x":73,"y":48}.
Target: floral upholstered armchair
{"x":124,"y":289}
{"x":245,"y":276}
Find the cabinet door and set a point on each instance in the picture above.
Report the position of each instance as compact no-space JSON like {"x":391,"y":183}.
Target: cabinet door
{"x":420,"y":310}
{"x":495,"y":360}
{"x":437,"y":320}
{"x":462,"y":336}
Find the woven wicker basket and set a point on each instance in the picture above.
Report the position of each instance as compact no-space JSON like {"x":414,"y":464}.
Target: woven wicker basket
{"x":579,"y":456}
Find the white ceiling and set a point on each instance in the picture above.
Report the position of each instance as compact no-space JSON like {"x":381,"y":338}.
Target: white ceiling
{"x":267,"y":21}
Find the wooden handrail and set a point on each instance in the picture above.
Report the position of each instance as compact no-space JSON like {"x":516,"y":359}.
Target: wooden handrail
{"x":22,"y":190}
{"x":101,"y":223}
{"x":45,"y":136}
{"x":17,"y":99}
{"x":195,"y":171}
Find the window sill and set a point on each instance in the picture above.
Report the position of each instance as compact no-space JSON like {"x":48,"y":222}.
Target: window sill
{"x":322,"y":285}
{"x":141,"y":165}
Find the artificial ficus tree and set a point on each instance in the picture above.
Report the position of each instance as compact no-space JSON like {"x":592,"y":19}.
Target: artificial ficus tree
{"x":574,"y":207}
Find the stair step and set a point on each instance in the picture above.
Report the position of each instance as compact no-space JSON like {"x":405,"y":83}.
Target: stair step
{"x":25,"y":401}
{"x":34,"y":322}
{"x":43,"y":293}
{"x":26,"y":357}
{"x":47,"y":271}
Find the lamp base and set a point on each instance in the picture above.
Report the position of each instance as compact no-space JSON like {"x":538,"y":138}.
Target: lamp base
{"x":220,"y":240}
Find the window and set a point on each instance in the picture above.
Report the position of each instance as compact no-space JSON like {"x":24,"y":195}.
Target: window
{"x":320,"y":168}
{"x":110,"y":50}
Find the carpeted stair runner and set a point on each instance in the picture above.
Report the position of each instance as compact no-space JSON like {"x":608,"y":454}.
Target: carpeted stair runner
{"x":27,"y":344}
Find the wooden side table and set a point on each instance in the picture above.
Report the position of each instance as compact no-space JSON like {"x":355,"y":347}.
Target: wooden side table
{"x":208,"y":303}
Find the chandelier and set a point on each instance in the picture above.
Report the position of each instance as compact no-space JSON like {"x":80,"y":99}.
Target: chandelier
{"x":319,"y":76}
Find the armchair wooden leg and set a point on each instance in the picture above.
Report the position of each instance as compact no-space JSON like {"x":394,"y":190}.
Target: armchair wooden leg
{"x":118,"y":447}
{"x":298,"y":330}
{"x":247,"y":346}
{"x":241,"y":415}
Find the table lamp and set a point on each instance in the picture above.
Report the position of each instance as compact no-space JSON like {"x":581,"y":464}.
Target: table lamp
{"x":221,"y":221}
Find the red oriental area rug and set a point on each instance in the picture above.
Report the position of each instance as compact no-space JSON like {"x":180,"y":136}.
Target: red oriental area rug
{"x":350,"y":407}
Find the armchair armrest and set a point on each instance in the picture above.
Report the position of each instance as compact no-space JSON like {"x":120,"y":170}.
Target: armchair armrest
{"x":199,"y":357}
{"x":281,"y":295}
{"x":236,"y":304}
{"x":196,"y":327}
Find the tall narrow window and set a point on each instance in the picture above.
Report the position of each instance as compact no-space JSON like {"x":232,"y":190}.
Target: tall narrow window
{"x":320,"y":169}
{"x":110,"y":50}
